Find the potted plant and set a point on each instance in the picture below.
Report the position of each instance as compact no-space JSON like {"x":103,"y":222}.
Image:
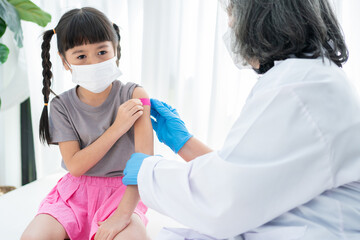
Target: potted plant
{"x":11,"y":13}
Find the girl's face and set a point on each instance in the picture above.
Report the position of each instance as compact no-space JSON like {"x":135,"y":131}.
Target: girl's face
{"x":89,"y":54}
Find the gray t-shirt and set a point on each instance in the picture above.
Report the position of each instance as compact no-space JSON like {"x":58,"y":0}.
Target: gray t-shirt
{"x":72,"y":120}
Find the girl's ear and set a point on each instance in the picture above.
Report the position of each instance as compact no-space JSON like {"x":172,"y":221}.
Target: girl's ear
{"x":66,"y":66}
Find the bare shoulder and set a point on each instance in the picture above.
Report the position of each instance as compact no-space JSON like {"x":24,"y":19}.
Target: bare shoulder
{"x":139,"y":92}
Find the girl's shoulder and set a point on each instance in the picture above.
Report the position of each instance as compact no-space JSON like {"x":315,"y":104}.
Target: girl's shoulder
{"x":63,"y":99}
{"x":126,"y":89}
{"x":126,"y":84}
{"x":133,"y":90}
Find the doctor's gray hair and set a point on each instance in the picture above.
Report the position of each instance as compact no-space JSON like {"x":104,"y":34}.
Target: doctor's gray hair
{"x":270,"y":30}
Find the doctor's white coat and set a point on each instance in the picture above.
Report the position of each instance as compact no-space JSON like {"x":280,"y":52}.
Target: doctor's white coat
{"x":289,"y":168}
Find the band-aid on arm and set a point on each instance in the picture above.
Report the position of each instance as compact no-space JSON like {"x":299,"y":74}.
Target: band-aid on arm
{"x":145,"y":101}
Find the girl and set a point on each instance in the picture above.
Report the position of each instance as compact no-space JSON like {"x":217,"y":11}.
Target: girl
{"x":93,"y":126}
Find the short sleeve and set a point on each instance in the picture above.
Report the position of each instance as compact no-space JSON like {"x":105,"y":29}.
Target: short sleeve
{"x":60,"y":126}
{"x":127,"y":91}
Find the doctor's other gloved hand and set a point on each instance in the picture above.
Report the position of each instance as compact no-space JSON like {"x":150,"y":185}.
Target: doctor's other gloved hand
{"x":169,"y":128}
{"x":132,"y":168}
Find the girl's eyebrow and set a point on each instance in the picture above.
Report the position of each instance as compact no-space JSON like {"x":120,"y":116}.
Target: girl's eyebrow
{"x":78,"y":51}
{"x":81,"y":50}
{"x":102,"y":46}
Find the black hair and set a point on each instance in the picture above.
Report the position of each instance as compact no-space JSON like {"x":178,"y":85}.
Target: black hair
{"x":270,"y":30}
{"x":76,"y":27}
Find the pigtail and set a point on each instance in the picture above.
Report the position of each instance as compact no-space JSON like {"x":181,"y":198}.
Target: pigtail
{"x":118,"y":49}
{"x":44,"y":131}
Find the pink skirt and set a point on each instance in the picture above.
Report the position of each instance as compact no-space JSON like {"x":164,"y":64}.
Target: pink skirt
{"x":79,"y":203}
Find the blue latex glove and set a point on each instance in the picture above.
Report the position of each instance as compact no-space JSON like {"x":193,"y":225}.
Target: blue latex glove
{"x":132,"y":168}
{"x":169,"y":128}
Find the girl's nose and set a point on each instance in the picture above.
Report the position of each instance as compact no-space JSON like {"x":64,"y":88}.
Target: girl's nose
{"x":93,"y":61}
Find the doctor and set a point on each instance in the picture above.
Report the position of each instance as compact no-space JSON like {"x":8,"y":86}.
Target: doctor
{"x":290,"y":166}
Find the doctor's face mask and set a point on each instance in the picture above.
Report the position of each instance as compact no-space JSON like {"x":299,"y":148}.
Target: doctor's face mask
{"x":229,"y":41}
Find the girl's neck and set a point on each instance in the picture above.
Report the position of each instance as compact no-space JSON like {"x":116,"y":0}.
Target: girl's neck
{"x":93,"y":99}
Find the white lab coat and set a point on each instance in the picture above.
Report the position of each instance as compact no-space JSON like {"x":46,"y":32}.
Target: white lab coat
{"x":288,"y":169}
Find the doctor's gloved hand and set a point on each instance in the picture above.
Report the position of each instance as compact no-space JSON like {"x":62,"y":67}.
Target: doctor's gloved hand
{"x":169,"y":128}
{"x":132,"y":168}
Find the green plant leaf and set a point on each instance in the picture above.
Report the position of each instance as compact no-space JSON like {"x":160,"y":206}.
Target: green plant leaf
{"x":2,"y":27}
{"x":9,"y":14}
{"x":4,"y":53}
{"x":28,"y":11}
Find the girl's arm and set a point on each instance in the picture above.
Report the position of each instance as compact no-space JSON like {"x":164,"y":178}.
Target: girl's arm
{"x":79,"y":161}
{"x":143,"y":136}
{"x":144,"y":143}
{"x":143,"y":131}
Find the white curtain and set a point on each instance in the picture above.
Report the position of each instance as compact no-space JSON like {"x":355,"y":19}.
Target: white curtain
{"x":174,"y":49}
{"x":350,"y":19}
{"x":186,"y":64}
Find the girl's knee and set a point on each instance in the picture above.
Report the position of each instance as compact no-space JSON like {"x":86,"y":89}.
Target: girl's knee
{"x":27,"y":235}
{"x":132,"y":236}
{"x":134,"y":231}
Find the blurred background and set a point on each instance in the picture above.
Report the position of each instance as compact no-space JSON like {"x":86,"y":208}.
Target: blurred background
{"x":174,"y":49}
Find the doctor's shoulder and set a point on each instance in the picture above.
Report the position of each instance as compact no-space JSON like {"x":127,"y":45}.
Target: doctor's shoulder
{"x":317,"y":84}
{"x":296,"y":72}
{"x":316,"y":78}
{"x":327,"y":77}
{"x":291,"y":73}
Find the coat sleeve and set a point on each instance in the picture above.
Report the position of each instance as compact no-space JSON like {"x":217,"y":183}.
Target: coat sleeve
{"x":274,"y":159}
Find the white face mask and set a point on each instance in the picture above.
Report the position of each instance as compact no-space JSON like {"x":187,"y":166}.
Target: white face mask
{"x":95,"y":77}
{"x":229,"y":40}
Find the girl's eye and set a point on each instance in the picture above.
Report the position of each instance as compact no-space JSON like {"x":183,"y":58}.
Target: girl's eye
{"x":81,"y":57}
{"x":102,"y":52}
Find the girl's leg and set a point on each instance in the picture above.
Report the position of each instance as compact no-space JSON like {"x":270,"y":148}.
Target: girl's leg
{"x":44,"y":227}
{"x":134,"y":231}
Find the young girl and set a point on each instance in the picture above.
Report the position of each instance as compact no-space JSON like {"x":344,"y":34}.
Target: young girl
{"x":97,"y":125}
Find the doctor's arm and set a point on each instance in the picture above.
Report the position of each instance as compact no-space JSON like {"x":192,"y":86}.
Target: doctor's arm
{"x":263,"y":171}
{"x":192,"y":149}
{"x":171,"y":130}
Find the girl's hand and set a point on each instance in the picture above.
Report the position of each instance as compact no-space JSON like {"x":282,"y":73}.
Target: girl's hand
{"x":111,"y":227}
{"x":127,"y":114}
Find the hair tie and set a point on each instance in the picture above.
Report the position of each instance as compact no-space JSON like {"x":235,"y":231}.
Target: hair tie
{"x":45,"y":104}
{"x":54,"y":31}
